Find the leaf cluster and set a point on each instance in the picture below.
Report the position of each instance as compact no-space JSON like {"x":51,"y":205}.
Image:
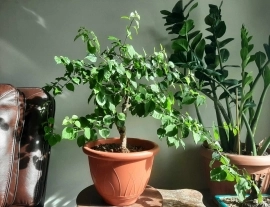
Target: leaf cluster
{"x":123,"y":82}
{"x":207,"y":57}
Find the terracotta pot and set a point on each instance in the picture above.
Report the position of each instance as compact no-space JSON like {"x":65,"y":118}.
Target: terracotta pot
{"x":120,"y":178}
{"x":258,"y":165}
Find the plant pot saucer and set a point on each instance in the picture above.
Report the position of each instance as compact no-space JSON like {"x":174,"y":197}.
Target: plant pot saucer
{"x":90,"y":197}
{"x":221,"y":203}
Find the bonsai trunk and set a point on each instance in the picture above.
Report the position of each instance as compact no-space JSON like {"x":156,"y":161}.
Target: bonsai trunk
{"x":123,"y":138}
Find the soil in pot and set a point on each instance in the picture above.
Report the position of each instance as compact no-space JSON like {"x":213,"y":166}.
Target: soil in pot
{"x":117,"y":148}
{"x":234,"y":202}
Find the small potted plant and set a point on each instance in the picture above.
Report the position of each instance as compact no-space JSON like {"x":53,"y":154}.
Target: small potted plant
{"x":207,"y":57}
{"x":124,"y":83}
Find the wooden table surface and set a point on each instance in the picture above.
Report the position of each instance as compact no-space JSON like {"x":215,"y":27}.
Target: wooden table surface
{"x":153,"y":197}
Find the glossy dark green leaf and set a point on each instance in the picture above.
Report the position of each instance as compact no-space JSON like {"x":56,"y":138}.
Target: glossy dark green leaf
{"x":209,"y":20}
{"x":180,"y":45}
{"x":230,"y":82}
{"x":217,"y":174}
{"x":193,"y":34}
{"x":224,"y":53}
{"x":192,"y":7}
{"x":220,"y":29}
{"x":266,"y":76}
{"x":70,"y":86}
{"x":223,"y":95}
{"x":199,"y":50}
{"x":260,"y":59}
{"x":196,"y":40}
{"x":91,"y":49}
{"x":165,"y":12}
{"x":187,"y":27}
{"x":80,"y":141}
{"x":225,"y":42}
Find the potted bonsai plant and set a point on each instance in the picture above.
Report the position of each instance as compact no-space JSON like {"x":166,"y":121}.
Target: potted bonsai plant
{"x":124,"y":83}
{"x":207,"y":57}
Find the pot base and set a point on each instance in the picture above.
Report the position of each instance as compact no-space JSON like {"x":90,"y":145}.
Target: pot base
{"x":90,"y":197}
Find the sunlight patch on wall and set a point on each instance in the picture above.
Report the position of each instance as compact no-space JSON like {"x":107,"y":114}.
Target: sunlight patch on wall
{"x":39,"y":19}
{"x":11,"y":57}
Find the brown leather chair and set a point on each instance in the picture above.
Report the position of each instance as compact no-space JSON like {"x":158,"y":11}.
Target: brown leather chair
{"x":24,"y":154}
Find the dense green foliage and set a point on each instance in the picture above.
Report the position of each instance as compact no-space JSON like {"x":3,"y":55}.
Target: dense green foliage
{"x":207,"y":57}
{"x":124,"y":83}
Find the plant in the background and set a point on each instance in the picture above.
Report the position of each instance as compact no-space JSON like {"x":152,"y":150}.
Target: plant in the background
{"x":124,"y":83}
{"x":207,"y":58}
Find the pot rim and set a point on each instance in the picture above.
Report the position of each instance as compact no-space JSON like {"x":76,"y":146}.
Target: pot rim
{"x":153,"y":149}
{"x":240,"y":159}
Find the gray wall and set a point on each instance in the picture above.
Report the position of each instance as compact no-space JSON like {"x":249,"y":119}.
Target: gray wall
{"x":32,"y":32}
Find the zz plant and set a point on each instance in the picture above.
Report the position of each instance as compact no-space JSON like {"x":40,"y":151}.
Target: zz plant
{"x":207,"y":57}
{"x":124,"y":83}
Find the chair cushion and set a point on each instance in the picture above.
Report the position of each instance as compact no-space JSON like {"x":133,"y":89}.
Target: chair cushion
{"x":34,"y":150}
{"x":12,"y":106}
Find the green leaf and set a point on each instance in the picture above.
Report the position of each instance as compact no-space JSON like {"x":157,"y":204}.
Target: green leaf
{"x":91,"y":57}
{"x":91,"y":49}
{"x":225,"y":42}
{"x":149,"y":106}
{"x":224,"y":53}
{"x":161,"y":132}
{"x":77,"y":123}
{"x":67,"y":133}
{"x":51,"y":120}
{"x":266,"y":76}
{"x":128,"y":74}
{"x":188,"y":25}
{"x":157,"y":115}
{"x":76,"y":80}
{"x":218,"y":174}
{"x":107,"y":119}
{"x":80,"y":141}
{"x":121,"y":116}
{"x":171,"y":130}
{"x":57,"y":60}
{"x":100,"y":98}
{"x":87,"y":132}
{"x":244,"y":53}
{"x":199,"y":50}
{"x":131,"y":51}
{"x":220,"y":29}
{"x":105,"y":132}
{"x":180,"y":45}
{"x":196,"y":137}
{"x":192,"y":7}
{"x":260,"y":59}
{"x":120,"y":69}
{"x":70,"y":86}
{"x":165,"y":12}
{"x":113,"y":38}
{"x":154,"y":88}
{"x":196,"y":40}
{"x":188,"y":99}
